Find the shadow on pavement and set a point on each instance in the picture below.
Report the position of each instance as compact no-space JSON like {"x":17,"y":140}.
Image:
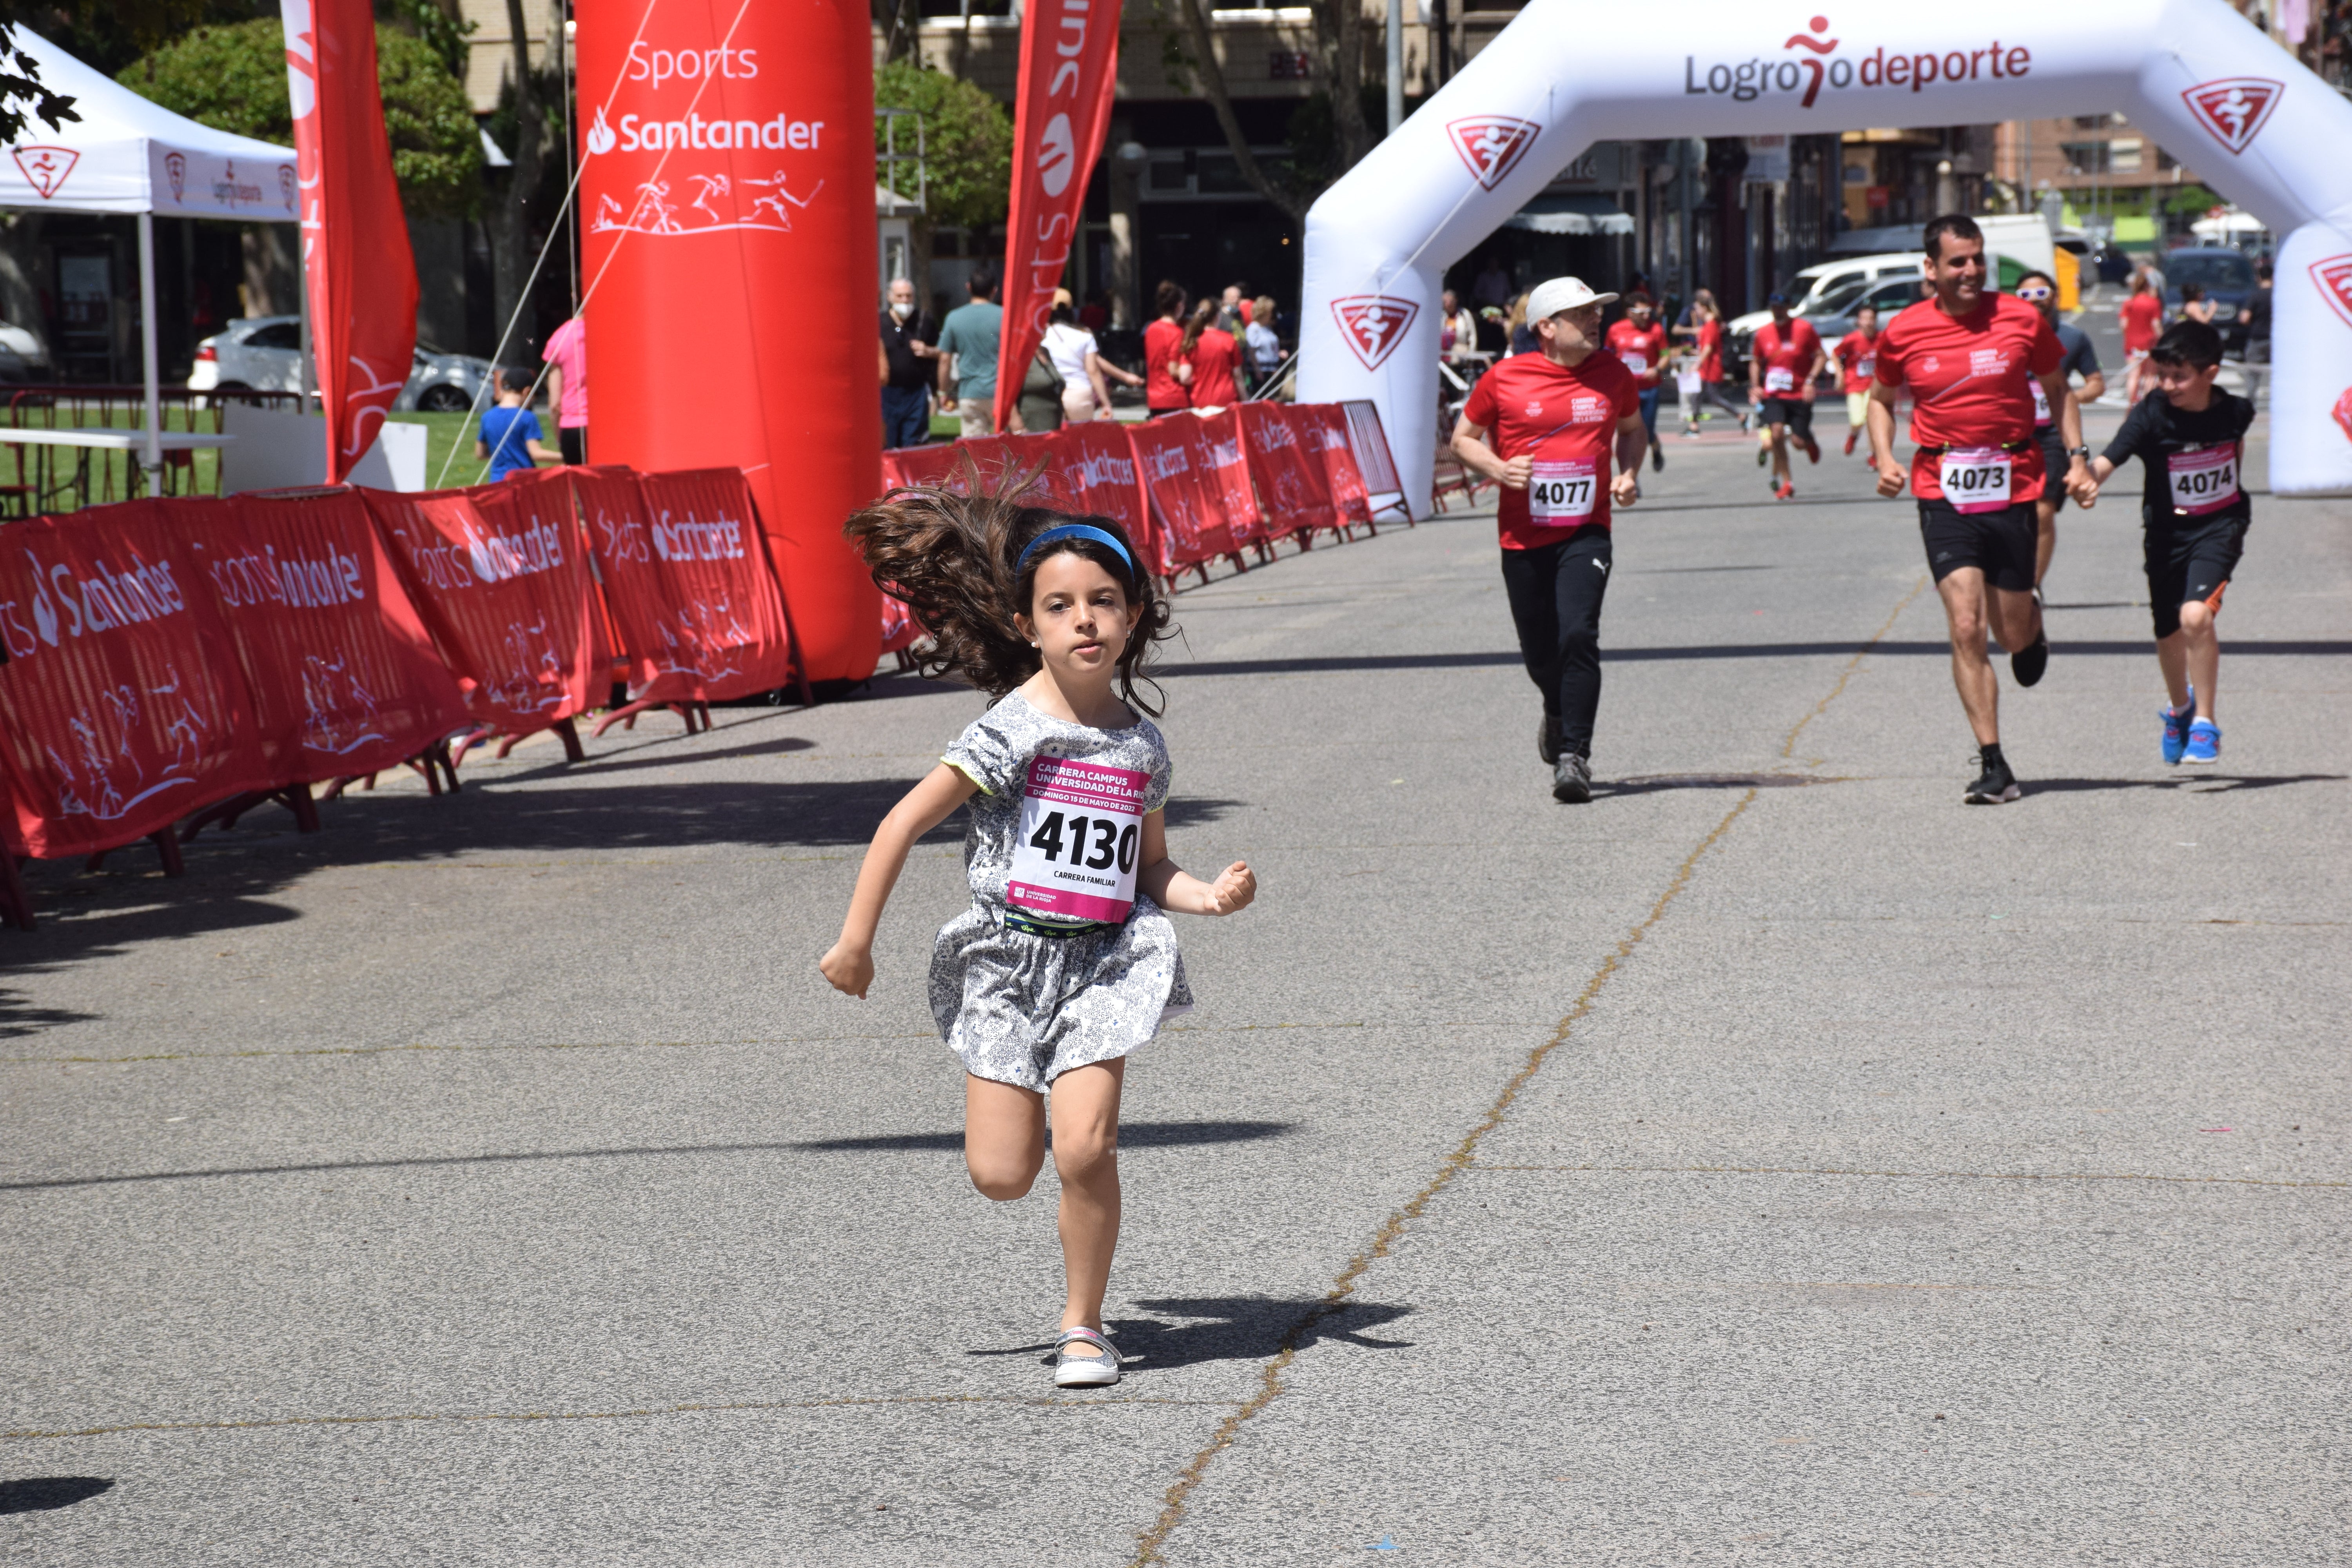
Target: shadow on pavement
{"x":2141,"y":649}
{"x":2188,"y":783}
{"x":1231,"y":1327}
{"x":1131,"y":1135}
{"x":232,"y":874}
{"x":37,"y":1494}
{"x":1651,"y":783}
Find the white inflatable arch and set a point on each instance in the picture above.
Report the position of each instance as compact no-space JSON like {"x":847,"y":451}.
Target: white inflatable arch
{"x":2218,"y":94}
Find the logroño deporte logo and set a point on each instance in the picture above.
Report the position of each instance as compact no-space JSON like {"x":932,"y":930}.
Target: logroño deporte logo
{"x":1817,"y":63}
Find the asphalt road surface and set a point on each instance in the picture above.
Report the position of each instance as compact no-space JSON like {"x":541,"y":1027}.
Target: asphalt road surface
{"x":1773,"y":1162}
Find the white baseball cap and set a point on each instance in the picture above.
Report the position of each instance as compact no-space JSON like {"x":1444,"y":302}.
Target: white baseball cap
{"x":1556,"y":294}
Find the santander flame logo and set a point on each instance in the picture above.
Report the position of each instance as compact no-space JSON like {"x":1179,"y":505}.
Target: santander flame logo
{"x":175,"y":169}
{"x":2235,"y":107}
{"x":46,"y":168}
{"x":2333,"y":277}
{"x":1373,"y":324}
{"x":600,"y":135}
{"x":1492,"y":144}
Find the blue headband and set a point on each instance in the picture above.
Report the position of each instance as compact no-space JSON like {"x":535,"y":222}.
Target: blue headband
{"x":1074,"y":531}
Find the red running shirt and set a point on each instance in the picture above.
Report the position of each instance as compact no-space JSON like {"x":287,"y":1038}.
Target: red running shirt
{"x":1566,"y":419}
{"x":1786,"y":357}
{"x":1971,"y":383}
{"x":1214,"y":358}
{"x":1710,"y":350}
{"x":1859,"y":357}
{"x":1161,"y":339}
{"x":2142,"y":315}
{"x":1631,"y":344}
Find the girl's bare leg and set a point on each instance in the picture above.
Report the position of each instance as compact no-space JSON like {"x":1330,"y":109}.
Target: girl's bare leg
{"x":1004,"y":1136}
{"x":1086,"y":1156}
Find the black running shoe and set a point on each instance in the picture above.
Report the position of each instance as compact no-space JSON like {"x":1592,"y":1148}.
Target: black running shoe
{"x":1996,"y":786}
{"x":1571,"y":779}
{"x":1657,"y":458}
{"x":2028,"y":663}
{"x":1547,"y":739}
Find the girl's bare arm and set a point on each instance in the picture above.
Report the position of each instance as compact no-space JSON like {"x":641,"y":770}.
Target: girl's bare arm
{"x":849,"y":965}
{"x":1173,"y":888}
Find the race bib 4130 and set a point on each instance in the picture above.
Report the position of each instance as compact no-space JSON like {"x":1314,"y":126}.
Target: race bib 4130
{"x":1081,"y":832}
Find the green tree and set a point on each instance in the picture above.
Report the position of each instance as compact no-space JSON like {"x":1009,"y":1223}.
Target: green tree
{"x":234,"y":79}
{"x":967,"y":144}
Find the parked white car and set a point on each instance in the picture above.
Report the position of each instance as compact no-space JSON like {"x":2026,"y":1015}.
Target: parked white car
{"x":265,"y":352}
{"x":21,"y":354}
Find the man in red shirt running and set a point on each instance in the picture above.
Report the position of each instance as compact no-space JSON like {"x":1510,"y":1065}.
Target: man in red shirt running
{"x":1857,"y":357}
{"x":1969,"y":356}
{"x":1782,"y":362}
{"x":1545,"y":427}
{"x":1639,"y":341}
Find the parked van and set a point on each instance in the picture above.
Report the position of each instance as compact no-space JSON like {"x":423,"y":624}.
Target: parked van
{"x":1828,"y":293}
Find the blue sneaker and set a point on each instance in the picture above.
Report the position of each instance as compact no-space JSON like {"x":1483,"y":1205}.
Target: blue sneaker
{"x":2176,"y":728}
{"x":2204,"y":742}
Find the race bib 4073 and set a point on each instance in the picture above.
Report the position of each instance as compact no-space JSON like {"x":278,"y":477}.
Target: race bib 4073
{"x":1081,"y":832}
{"x":1975,"y":479}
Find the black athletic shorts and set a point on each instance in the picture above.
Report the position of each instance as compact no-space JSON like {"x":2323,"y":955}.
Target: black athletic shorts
{"x":572,"y":440}
{"x":2054,"y":462}
{"x":1796,"y":412}
{"x":2000,"y":542}
{"x":2189,"y":559}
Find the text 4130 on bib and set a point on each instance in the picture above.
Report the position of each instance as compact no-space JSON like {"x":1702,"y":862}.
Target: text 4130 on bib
{"x":1081,"y":833}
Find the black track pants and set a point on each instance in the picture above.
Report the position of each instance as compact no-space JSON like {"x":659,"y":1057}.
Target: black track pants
{"x":1556,"y":592}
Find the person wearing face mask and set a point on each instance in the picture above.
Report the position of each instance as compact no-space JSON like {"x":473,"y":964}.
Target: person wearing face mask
{"x":907,"y":336}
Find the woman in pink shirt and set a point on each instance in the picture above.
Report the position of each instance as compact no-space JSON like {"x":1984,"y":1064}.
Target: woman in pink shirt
{"x":567,"y":388}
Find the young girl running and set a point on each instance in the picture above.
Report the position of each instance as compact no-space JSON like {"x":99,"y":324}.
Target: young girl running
{"x":1065,"y":962}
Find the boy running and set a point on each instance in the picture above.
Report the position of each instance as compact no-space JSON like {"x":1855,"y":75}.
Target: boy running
{"x":2191,"y":439}
{"x":1857,"y":357}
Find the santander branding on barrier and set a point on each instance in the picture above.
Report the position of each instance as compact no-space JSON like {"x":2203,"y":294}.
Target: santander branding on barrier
{"x":339,"y":668}
{"x":121,"y":707}
{"x":691,"y":593}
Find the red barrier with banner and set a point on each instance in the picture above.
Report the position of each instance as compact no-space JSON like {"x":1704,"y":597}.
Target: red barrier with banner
{"x":338,"y":665}
{"x":1328,"y":423}
{"x":122,"y":705}
{"x":1094,"y":472}
{"x":726,"y":182}
{"x":687,"y":580}
{"x":1230,"y":463}
{"x":1060,"y":110}
{"x":500,"y":578}
{"x":1174,"y":459}
{"x":1288,"y":466}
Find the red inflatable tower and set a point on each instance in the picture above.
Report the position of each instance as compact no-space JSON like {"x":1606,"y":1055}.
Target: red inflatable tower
{"x":726,"y":231}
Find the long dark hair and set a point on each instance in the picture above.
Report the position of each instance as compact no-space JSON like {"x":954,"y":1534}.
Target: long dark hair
{"x":953,"y":560}
{"x":1204,"y":315}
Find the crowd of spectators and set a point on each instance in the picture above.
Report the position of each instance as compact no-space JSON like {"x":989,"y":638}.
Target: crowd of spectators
{"x":1202,"y":355}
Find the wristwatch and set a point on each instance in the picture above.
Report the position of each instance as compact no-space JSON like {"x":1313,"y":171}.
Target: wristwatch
{"x":2082,"y":452}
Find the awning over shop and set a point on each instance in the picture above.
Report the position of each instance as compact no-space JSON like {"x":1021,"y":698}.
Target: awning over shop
{"x":1577,"y":214}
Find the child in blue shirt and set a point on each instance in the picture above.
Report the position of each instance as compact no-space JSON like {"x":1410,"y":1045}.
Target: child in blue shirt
{"x":509,"y":438}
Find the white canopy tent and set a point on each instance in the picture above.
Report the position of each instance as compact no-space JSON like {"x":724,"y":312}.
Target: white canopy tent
{"x":128,"y":155}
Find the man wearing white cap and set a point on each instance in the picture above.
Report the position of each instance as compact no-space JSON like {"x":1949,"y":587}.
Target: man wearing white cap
{"x":1560,"y":431}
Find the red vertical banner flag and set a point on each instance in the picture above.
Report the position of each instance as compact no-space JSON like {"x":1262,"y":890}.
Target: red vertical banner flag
{"x":356,"y":263}
{"x":1061,"y":112}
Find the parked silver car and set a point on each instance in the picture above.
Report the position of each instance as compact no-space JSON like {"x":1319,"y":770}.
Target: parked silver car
{"x":265,"y":352}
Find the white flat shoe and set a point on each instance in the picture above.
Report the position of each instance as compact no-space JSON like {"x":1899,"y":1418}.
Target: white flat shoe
{"x":1097,"y":1370}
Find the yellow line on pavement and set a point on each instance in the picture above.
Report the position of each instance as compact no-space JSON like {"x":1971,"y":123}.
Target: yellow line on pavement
{"x":1271,"y":1383}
